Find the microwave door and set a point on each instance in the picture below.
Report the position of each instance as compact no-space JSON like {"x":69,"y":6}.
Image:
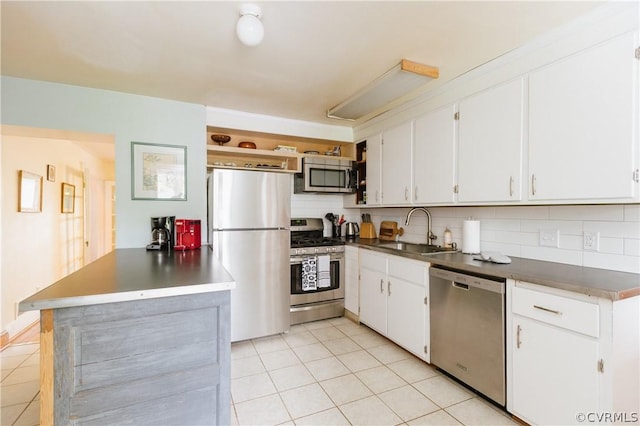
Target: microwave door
{"x":315,"y":179}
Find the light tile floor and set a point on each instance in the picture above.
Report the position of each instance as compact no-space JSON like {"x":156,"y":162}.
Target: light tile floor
{"x":336,"y":372}
{"x":19,"y":389}
{"x":331,"y":372}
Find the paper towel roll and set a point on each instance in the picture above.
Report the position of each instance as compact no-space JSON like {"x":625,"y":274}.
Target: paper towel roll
{"x":471,"y":236}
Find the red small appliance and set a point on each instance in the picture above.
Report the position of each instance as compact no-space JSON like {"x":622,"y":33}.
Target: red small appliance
{"x":188,"y":234}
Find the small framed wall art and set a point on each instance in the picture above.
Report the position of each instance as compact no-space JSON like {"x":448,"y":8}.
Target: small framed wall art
{"x":30,"y":192}
{"x":158,"y":172}
{"x":68,"y":198}
{"x":51,"y":173}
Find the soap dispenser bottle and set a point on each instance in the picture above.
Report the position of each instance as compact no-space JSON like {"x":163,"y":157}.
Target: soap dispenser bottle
{"x":447,"y":238}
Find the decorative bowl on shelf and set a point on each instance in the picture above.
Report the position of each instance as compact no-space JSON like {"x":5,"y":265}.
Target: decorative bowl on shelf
{"x":220,"y":139}
{"x":249,"y":145}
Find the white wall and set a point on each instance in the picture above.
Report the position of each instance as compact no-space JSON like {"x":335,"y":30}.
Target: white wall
{"x":128,"y":118}
{"x":317,"y":206}
{"x":40,"y":248}
{"x":515,"y":231}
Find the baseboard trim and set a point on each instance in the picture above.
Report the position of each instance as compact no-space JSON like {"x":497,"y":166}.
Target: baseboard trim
{"x":350,"y":315}
{"x":4,"y":339}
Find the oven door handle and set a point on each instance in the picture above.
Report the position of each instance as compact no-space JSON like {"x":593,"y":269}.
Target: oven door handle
{"x":333,"y":257}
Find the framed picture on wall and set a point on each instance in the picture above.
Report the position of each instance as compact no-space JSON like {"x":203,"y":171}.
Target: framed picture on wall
{"x":158,"y":172}
{"x":51,"y":173}
{"x":30,"y":192}
{"x":68,"y":198}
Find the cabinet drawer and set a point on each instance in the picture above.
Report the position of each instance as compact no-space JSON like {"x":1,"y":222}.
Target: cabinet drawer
{"x":374,"y":262}
{"x":412,"y":271}
{"x":576,"y":315}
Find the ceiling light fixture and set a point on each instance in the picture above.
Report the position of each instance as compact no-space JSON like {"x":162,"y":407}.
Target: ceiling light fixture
{"x":249,"y":28}
{"x":400,"y":80}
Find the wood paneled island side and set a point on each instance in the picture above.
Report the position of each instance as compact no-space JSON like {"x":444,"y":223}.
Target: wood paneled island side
{"x":137,"y":337}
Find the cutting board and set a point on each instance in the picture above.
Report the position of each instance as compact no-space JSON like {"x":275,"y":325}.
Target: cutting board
{"x":389,"y":230}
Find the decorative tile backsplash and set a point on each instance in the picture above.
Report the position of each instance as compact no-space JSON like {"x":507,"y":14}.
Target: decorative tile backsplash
{"x":514,"y":230}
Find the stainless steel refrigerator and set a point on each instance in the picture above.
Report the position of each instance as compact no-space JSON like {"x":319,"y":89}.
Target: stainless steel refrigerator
{"x":248,"y":225}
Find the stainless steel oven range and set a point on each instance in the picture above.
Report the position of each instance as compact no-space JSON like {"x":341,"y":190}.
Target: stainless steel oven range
{"x":317,"y":272}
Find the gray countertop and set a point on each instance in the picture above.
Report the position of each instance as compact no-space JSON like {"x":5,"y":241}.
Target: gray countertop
{"x":613,"y":285}
{"x":132,"y":274}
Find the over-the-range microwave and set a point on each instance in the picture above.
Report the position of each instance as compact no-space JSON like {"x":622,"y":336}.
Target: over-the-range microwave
{"x":326,"y":175}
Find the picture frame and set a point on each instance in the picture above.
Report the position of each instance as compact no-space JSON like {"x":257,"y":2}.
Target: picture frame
{"x":51,"y":173}
{"x":29,"y":192}
{"x":158,"y":172}
{"x":67,"y":202}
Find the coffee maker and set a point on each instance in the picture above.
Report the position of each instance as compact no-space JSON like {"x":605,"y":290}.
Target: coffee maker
{"x":162,"y":233}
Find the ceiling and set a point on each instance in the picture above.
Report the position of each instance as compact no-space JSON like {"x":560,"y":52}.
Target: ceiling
{"x":314,"y":54}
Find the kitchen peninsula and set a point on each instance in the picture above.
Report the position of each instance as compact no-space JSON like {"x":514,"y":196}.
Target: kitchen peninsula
{"x":139,"y":337}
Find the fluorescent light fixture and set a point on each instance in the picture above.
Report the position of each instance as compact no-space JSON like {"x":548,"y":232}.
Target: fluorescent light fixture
{"x":400,"y":80}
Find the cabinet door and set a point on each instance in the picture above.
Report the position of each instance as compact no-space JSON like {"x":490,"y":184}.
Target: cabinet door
{"x":373,"y":290}
{"x":554,"y":373}
{"x":433,"y":157}
{"x":374,"y":170}
{"x":373,"y":300}
{"x":405,"y":314}
{"x":581,"y":125}
{"x":396,"y":165}
{"x":351,"y":277}
{"x":490,"y":144}
{"x":406,"y":310}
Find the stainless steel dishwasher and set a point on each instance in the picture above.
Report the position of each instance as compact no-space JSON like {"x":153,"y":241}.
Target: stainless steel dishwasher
{"x":468,"y":329}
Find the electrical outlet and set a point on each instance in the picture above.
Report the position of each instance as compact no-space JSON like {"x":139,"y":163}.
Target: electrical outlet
{"x":591,"y":241}
{"x":550,"y":238}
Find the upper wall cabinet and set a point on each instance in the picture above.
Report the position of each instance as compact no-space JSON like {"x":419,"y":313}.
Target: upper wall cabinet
{"x":491,"y":126}
{"x":396,"y":165}
{"x":583,"y":110}
{"x":434,"y":157}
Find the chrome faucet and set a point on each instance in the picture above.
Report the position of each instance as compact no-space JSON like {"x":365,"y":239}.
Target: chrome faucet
{"x":430,"y":235}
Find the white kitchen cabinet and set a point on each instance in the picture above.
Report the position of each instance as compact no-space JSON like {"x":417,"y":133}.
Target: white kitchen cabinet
{"x":396,"y":165}
{"x":407,"y":314}
{"x":351,"y":276}
{"x":392,"y":299}
{"x":374,"y":170}
{"x":373,"y":294}
{"x":569,"y":354}
{"x":490,"y":144}
{"x":434,"y":157}
{"x":582,"y":113}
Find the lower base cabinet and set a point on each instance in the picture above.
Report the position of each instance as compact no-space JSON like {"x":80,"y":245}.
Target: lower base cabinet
{"x":393,"y":300}
{"x":572,"y":358}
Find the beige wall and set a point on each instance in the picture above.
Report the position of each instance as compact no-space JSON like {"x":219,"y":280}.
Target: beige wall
{"x":40,"y":248}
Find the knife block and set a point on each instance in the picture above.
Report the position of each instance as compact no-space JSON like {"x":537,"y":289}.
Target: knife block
{"x":367,"y":230}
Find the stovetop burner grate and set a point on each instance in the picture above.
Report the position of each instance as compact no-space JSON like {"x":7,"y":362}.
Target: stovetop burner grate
{"x":315,"y":242}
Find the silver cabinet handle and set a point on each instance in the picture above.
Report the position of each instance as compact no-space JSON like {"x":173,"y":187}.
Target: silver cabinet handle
{"x":381,"y":284}
{"x":510,"y":186}
{"x":406,"y":193}
{"x":389,"y":287}
{"x":415,"y":193}
{"x":533,"y":184}
{"x":542,"y":308}
{"x":518,"y":342}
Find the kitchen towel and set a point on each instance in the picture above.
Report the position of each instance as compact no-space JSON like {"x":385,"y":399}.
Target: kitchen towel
{"x":471,"y":236}
{"x":309,"y":273}
{"x":324,"y":271}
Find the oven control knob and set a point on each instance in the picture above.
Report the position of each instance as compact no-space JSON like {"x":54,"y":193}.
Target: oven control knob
{"x":316,"y":250}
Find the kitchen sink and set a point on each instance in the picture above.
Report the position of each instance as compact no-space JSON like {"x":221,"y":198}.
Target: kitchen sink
{"x":415,"y":248}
